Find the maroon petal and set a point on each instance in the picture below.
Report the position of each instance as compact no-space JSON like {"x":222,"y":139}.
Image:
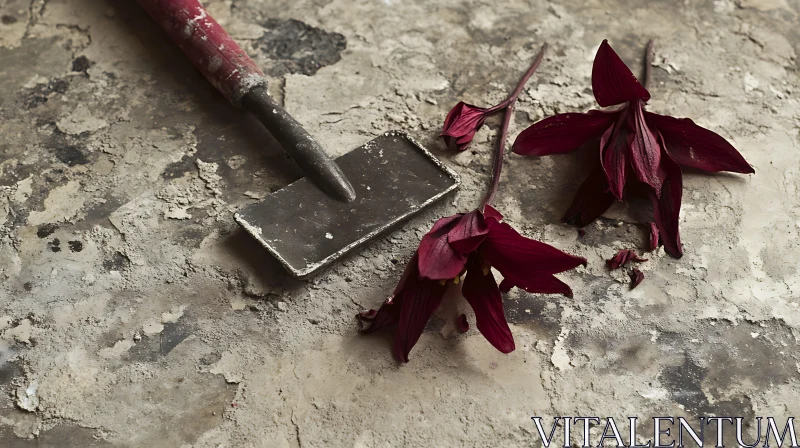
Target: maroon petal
{"x":510,"y":252}
{"x":562,"y":133}
{"x":622,"y":258}
{"x":419,"y":299}
{"x":591,"y":201}
{"x":653,"y":236}
{"x":691,"y":145}
{"x":666,"y":210}
{"x":613,"y":156}
{"x":437,"y":260}
{"x":645,"y":150}
{"x":612,"y":80}
{"x":468,"y":233}
{"x":462,"y":324}
{"x":636,"y":277}
{"x":536,"y":284}
{"x":480,"y":290}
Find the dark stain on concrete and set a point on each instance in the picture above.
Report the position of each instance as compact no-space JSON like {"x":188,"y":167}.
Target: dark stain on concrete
{"x":41,"y":93}
{"x":685,"y":384}
{"x":55,"y":245}
{"x":75,"y":246}
{"x":6,"y":19}
{"x":70,"y":155}
{"x":292,"y":46}
{"x":46,"y":230}
{"x":116,"y":262}
{"x":531,"y":310}
{"x":8,"y":371}
{"x":81,"y":64}
{"x":153,"y":348}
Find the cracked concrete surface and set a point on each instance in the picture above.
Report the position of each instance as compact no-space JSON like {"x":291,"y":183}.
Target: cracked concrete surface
{"x":133,"y":311}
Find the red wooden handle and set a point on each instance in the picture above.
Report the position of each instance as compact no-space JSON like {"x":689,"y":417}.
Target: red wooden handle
{"x":208,"y":46}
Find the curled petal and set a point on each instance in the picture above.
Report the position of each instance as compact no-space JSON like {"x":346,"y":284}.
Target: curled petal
{"x":480,"y":290}
{"x":612,"y":80}
{"x":666,"y":209}
{"x":537,"y":284}
{"x":694,"y":146}
{"x":418,"y":300}
{"x":511,"y":253}
{"x":636,"y":277}
{"x":437,"y":259}
{"x":622,"y":258}
{"x":468,"y":233}
{"x":591,"y":200}
{"x":462,"y":122}
{"x":563,"y":133}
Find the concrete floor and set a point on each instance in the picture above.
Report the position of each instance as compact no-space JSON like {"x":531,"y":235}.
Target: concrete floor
{"x":134,"y":312}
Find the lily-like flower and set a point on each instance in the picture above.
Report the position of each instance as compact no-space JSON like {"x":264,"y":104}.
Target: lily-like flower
{"x":469,"y":245}
{"x":636,"y":147}
{"x":463,"y":121}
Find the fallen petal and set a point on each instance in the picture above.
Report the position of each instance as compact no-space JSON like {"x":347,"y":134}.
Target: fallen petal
{"x":563,"y":133}
{"x":612,"y":80}
{"x":622,"y":258}
{"x":636,"y":277}
{"x":694,"y":146}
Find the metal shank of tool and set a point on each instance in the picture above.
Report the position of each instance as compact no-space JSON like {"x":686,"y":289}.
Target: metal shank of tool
{"x":320,"y":168}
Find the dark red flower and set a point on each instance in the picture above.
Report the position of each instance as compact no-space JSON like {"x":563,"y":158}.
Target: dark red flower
{"x":469,"y":245}
{"x":636,"y":277}
{"x":463,"y":122}
{"x":622,"y":258}
{"x":635,"y":147}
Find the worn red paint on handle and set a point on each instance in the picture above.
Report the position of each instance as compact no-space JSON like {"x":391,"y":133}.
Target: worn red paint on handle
{"x":207,"y":45}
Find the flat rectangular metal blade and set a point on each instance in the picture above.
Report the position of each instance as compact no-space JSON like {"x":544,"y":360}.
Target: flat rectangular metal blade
{"x":306,"y":230}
